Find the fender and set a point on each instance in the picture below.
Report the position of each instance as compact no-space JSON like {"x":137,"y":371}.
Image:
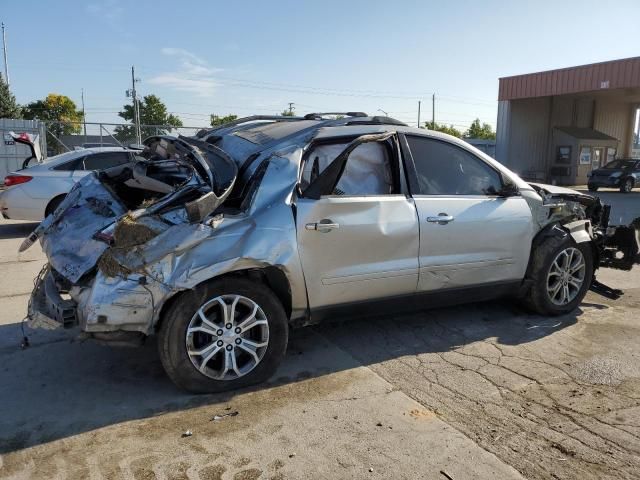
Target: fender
{"x":580,"y":230}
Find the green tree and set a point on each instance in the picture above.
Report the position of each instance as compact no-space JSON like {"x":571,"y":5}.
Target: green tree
{"x":61,"y":115}
{"x":152,"y":112}
{"x":450,"y":130}
{"x":217,"y":120}
{"x":483,"y":131}
{"x":8,"y":106}
{"x":288,"y":113}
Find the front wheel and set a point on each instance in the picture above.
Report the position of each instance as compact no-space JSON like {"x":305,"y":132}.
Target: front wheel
{"x":592,"y":188}
{"x":561,"y":273}
{"x":627,"y":185}
{"x":226,"y":334}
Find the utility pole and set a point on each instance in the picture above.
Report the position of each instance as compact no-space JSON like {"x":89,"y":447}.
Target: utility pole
{"x":84,"y":118}
{"x":419,"y":102}
{"x":4,"y":48}
{"x":433,"y":111}
{"x":136,"y":107}
{"x":291,"y":108}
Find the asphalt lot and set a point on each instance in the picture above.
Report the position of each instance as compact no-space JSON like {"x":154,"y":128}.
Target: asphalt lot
{"x":475,"y":391}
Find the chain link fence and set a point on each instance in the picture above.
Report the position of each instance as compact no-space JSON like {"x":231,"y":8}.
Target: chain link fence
{"x":67,"y":136}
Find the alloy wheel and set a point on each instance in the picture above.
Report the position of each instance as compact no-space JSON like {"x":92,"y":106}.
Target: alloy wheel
{"x":566,"y":276}
{"x":227,"y":337}
{"x":628,"y":185}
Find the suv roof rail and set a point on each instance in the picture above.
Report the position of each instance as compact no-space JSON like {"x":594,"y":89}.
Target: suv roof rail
{"x":238,"y":121}
{"x":319,"y":115}
{"x":378,"y":120}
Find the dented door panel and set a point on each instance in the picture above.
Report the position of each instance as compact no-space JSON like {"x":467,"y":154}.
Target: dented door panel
{"x":487,"y":240}
{"x":371,"y":252}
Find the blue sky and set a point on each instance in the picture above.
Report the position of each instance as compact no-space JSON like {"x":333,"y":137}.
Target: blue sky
{"x":256,"y":56}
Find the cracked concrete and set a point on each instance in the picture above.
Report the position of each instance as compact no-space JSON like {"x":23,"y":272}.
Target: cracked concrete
{"x":555,"y":398}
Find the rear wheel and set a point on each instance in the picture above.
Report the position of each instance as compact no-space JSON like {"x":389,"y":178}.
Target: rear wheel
{"x":627,"y":185}
{"x":592,"y":188}
{"x":561,"y":273}
{"x":226,"y":334}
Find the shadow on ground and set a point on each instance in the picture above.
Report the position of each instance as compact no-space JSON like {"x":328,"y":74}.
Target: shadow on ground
{"x":17,"y":230}
{"x":60,"y":387}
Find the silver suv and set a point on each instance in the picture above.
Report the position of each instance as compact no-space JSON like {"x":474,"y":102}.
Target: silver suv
{"x":220,"y":242}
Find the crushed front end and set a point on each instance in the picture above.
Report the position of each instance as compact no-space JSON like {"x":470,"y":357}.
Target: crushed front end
{"x":586,"y":218}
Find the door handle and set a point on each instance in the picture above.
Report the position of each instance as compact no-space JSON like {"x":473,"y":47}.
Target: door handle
{"x":441,"y":219}
{"x":323,"y":226}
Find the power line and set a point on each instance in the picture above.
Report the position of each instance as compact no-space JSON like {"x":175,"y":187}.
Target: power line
{"x":297,"y":88}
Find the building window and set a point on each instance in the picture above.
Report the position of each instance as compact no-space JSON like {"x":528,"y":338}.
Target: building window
{"x":585,"y":155}
{"x":563,"y":156}
{"x":611,"y":154}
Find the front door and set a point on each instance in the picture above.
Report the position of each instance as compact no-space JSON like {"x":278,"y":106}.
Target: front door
{"x":359,"y":239}
{"x":469,"y":234}
{"x":597,"y":159}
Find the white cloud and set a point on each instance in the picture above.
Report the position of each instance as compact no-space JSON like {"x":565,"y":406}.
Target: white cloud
{"x":109,"y":11}
{"x":194,"y":74}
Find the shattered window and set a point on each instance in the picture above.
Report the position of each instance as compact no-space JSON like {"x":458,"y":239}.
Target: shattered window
{"x":367,"y":171}
{"x":445,"y":169}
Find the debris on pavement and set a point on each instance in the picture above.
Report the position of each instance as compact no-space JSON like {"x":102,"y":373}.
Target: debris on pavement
{"x":188,"y":433}
{"x":220,"y":417}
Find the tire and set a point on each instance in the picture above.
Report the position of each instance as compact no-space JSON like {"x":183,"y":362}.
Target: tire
{"x":592,"y":188}
{"x":53,"y":204}
{"x":627,"y":185}
{"x":174,"y":340}
{"x":539,"y":299}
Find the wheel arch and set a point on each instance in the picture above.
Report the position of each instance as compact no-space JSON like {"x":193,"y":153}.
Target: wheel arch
{"x":47,"y":209}
{"x":577,"y":230}
{"x":271,"y":276}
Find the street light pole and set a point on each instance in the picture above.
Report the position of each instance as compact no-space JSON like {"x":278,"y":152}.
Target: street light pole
{"x":84,"y":118}
{"x":4,"y":48}
{"x":136,"y":107}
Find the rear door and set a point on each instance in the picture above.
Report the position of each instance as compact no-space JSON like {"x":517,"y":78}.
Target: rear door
{"x":357,"y":230}
{"x":470,"y":235}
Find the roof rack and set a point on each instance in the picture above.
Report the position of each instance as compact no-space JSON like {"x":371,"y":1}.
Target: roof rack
{"x":238,"y":121}
{"x":319,"y":115}
{"x":378,"y":120}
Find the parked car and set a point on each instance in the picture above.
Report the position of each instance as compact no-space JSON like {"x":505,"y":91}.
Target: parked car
{"x":219,"y":243}
{"x":34,"y":192}
{"x":623,"y":173}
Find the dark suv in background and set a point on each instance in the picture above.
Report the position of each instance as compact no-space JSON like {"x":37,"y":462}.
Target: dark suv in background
{"x":623,"y":173}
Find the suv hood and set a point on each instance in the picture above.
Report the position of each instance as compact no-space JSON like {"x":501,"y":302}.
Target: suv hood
{"x":553,"y":191}
{"x":174,"y":180}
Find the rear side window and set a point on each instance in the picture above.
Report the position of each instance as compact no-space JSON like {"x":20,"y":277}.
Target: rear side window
{"x":71,"y":165}
{"x":368,"y":170}
{"x":446,"y":169}
{"x":100,"y":161}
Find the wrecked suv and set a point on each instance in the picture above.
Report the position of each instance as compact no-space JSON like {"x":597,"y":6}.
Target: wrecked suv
{"x":220,"y":242}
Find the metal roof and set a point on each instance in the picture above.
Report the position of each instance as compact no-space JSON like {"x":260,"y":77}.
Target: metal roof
{"x":624,"y":73}
{"x":586,"y":133}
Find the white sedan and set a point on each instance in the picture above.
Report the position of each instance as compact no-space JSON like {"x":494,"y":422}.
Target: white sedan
{"x":35,"y":192}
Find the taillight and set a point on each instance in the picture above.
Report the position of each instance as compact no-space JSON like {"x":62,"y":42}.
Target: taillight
{"x":11,"y":180}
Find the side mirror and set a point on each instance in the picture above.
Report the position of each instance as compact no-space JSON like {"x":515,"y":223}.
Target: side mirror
{"x":509,"y":189}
